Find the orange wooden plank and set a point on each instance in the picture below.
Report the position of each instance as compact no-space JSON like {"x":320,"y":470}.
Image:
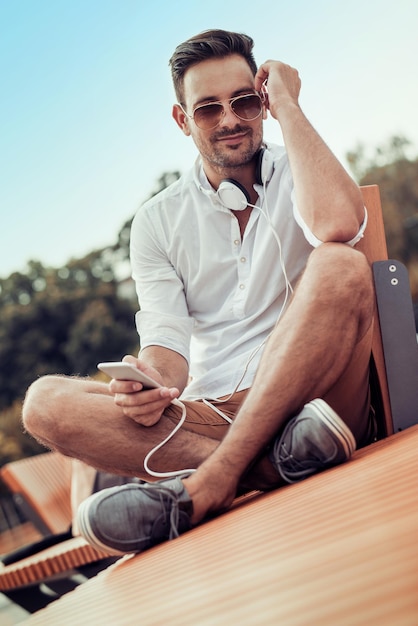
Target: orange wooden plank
{"x":62,"y":557}
{"x":373,"y":245}
{"x":45,"y":482}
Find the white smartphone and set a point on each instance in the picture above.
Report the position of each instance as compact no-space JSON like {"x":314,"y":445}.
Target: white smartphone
{"x":125,"y":371}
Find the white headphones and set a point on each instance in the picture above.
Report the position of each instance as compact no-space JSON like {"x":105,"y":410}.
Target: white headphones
{"x":232,"y":195}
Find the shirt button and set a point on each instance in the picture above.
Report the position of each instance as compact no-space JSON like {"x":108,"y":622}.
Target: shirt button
{"x":236,"y":242}
{"x":243,"y":259}
{"x":242,"y":286}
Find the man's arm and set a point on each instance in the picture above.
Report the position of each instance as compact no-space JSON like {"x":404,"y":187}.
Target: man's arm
{"x":329,"y":201}
{"x":163,"y":317}
{"x":172,"y":367}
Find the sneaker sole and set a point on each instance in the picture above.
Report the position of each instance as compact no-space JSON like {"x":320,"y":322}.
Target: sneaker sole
{"x":335,"y":424}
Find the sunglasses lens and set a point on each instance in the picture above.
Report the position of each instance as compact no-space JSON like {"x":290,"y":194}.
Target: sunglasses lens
{"x":208,"y":116}
{"x":247,"y":107}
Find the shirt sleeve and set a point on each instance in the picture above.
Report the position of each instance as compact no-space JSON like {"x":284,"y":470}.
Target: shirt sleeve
{"x":168,"y":331}
{"x":163,"y":318}
{"x":312,"y":239}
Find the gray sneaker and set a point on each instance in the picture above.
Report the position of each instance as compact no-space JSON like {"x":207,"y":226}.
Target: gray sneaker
{"x":136,"y":516}
{"x":312,"y":441}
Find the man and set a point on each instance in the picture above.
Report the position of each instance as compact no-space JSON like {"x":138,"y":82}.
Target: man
{"x":215,"y":263}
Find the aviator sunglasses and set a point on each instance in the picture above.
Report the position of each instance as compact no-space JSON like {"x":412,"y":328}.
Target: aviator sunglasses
{"x":208,"y":116}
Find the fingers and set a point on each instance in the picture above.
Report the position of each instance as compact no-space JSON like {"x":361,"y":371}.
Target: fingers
{"x":280,"y":81}
{"x":130,"y":359}
{"x":272,"y":72}
{"x":261,"y":76}
{"x":144,"y":368}
{"x":144,"y":407}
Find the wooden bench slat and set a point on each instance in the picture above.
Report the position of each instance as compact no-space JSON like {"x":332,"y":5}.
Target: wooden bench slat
{"x":62,"y":557}
{"x":44,"y":481}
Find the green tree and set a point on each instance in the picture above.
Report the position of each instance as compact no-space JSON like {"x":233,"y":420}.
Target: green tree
{"x":62,"y":321}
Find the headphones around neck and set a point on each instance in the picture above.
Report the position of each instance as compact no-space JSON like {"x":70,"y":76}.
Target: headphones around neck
{"x":232,"y":195}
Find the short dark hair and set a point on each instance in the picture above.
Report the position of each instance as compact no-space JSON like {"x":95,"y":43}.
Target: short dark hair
{"x":207,"y":45}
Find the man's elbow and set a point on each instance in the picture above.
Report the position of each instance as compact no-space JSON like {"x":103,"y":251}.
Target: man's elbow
{"x":346,"y":223}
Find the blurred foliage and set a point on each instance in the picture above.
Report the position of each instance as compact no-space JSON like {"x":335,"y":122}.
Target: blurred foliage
{"x":395,"y":170}
{"x":63,"y":320}
{"x":12,"y":445}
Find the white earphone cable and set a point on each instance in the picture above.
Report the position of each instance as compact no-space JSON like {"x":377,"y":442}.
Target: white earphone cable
{"x":162,"y":443}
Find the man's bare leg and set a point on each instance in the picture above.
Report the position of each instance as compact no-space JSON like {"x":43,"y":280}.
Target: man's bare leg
{"x":306,"y":354}
{"x":79,"y":418}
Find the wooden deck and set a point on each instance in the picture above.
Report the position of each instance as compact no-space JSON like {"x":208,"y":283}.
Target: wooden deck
{"x":339,"y":549}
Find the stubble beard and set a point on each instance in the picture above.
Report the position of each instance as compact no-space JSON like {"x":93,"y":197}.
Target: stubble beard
{"x":231,"y":157}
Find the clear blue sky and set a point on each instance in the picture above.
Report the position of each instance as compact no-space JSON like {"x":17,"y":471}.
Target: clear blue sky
{"x":86,"y":96}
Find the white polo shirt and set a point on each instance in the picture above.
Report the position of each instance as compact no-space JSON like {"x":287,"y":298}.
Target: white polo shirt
{"x":204,"y":292}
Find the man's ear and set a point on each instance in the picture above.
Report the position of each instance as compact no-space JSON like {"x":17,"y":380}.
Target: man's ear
{"x":265,"y":110}
{"x":181,"y":119}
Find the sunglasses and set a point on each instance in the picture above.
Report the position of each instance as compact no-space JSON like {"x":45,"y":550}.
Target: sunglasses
{"x":208,"y":116}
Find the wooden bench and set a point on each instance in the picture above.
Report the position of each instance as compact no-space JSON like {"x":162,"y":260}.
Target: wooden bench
{"x":52,"y":562}
{"x":41,"y":487}
{"x":394,"y":363}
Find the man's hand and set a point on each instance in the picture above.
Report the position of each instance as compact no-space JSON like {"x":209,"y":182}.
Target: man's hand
{"x":143,"y":406}
{"x":281,"y":83}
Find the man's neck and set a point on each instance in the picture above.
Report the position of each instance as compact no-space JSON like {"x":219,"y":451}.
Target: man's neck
{"x":244,"y":175}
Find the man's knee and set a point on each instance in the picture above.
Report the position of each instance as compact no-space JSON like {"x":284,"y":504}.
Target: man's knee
{"x":38,"y":414}
{"x":344,"y":275}
{"x":342,"y":265}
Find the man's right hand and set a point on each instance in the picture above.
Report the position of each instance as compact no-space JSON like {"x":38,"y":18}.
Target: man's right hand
{"x":142,"y":406}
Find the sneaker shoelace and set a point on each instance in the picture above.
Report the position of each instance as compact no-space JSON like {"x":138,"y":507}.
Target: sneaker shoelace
{"x":163,"y":495}
{"x":286,"y":457}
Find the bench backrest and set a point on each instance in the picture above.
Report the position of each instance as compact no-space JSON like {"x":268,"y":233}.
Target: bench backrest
{"x":394,"y":366}
{"x":41,"y":486}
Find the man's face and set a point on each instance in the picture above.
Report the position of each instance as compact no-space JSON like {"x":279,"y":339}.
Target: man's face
{"x":233,"y":142}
